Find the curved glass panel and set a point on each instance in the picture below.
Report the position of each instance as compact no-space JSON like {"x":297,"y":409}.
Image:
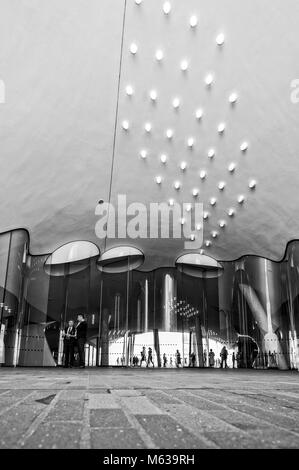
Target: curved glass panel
{"x":120,"y":259}
{"x":71,"y":258}
{"x":197,"y":265}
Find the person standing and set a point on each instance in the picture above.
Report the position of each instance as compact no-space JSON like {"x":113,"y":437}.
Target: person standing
{"x":164,"y":360}
{"x":69,"y":336}
{"x":178,"y":358}
{"x":81,"y":332}
{"x":234,"y":359}
{"x":223,"y":356}
{"x":211,"y":358}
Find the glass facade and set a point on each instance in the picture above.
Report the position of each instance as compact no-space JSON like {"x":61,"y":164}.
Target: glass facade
{"x":182,"y":318}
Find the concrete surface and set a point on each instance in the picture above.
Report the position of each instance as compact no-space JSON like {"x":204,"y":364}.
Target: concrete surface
{"x":148,"y":409}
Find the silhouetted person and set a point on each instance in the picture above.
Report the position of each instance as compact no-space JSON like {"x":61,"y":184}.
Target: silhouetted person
{"x":178,"y":358}
{"x":211,"y":358}
{"x":192,"y":359}
{"x":223,"y":356}
{"x":234,"y":359}
{"x":164,"y":360}
{"x":143,"y":356}
{"x":69,"y":336}
{"x":81,"y":332}
{"x":150,"y":357}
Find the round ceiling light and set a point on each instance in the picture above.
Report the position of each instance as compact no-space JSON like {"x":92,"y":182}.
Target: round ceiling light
{"x":176,"y":103}
{"x":167,"y":8}
{"x":143,"y":153}
{"x":220,"y":39}
{"x":222,"y":223}
{"x":231,"y":212}
{"x":209,"y":79}
{"x":221,"y":185}
{"x":148,"y":127}
{"x":205,"y":215}
{"x":169,"y":133}
{"x":129,"y":90}
{"x":241,"y":199}
{"x":244,"y":146}
{"x":163,"y":158}
{"x":153,"y":95}
{"x":199,"y":113}
{"x":177,"y":185}
{"x":158,"y":179}
{"x":213,"y":201}
{"x":159,"y":54}
{"x":202,"y":174}
{"x":133,"y":48}
{"x":183,"y":166}
{"x":190,"y":142}
{"x":211,"y":153}
{"x":125,"y":125}
{"x":252,"y":184}
{"x":184,"y":65}
{"x":231,"y":167}
{"x":233,"y":97}
{"x":193,"y":21}
{"x":221,"y":127}
{"x":195,"y":192}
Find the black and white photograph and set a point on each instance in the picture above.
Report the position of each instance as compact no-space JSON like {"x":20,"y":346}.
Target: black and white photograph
{"x":149,"y":229}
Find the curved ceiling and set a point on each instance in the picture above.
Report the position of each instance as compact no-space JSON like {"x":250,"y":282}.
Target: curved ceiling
{"x":63,"y":146}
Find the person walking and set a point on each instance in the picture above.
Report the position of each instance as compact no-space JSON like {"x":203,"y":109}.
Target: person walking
{"x":150,"y":357}
{"x":234,"y":359}
{"x":143,"y":356}
{"x":211,"y":358}
{"x":81,"y":333}
{"x":164,"y":360}
{"x":178,"y":358}
{"x":69,"y":336}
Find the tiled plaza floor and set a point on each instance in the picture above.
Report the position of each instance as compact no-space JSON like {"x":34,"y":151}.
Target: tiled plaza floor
{"x":148,"y":409}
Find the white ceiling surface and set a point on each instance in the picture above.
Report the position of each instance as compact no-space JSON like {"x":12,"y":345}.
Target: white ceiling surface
{"x":60,"y":62}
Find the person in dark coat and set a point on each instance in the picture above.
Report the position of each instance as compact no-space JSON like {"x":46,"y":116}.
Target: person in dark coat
{"x":81,"y":332}
{"x":69,"y":336}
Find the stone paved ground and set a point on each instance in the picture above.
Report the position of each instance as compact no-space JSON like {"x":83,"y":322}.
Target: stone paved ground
{"x":148,"y":409}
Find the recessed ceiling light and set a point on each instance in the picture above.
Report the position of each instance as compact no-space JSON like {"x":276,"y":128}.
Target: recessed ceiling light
{"x":125,"y":125}
{"x":192,"y":237}
{"x":153,"y":95}
{"x":167,"y":8}
{"x":188,"y":207}
{"x":221,"y":185}
{"x":214,"y":234}
{"x":193,"y":21}
{"x":231,"y":212}
{"x":233,"y":97}
{"x":148,"y":126}
{"x":220,"y":39}
{"x":205,"y":215}
{"x":177,"y":185}
{"x":209,"y":79}
{"x":241,"y":199}
{"x":231,"y":167}
{"x":213,"y":201}
{"x":182,"y":221}
{"x":158,"y":179}
{"x":171,"y":202}
{"x":184,"y":65}
{"x":244,"y":146}
{"x":199,"y":113}
{"x":252,"y":184}
{"x":203,"y":174}
{"x":195,"y":192}
{"x":222,"y":223}
{"x":163,"y":158}
{"x":129,"y":90}
{"x":176,"y":103}
{"x":143,"y":153}
{"x":159,"y":54}
{"x":138,"y":2}
{"x":198,"y":226}
{"x":169,"y":133}
{"x":221,"y":127}
{"x":211,"y":153}
{"x":133,"y":48}
{"x":190,"y":142}
{"x":208,"y":243}
{"x":183,"y":166}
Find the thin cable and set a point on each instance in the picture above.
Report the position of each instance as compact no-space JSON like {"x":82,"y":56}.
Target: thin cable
{"x":116,"y":114}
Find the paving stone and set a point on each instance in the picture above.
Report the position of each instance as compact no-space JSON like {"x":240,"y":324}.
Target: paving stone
{"x":116,"y":439}
{"x":66,"y":411}
{"x":108,"y":419}
{"x":55,"y":436}
{"x":140,"y":405}
{"x":167,"y":433}
{"x":101,"y":401}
